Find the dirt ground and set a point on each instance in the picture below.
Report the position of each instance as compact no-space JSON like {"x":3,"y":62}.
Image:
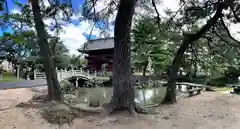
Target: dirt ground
{"x":210,"y":110}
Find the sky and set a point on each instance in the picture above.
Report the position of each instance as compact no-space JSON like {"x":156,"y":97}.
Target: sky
{"x":76,"y":33}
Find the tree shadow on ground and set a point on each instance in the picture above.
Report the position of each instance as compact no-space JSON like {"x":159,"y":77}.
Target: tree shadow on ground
{"x":54,"y":112}
{"x":4,"y":109}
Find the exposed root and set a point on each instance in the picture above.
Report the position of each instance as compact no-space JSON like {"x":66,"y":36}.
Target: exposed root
{"x":207,"y":88}
{"x":133,"y":109}
{"x":84,"y":108}
{"x":152,"y":106}
{"x":42,"y":98}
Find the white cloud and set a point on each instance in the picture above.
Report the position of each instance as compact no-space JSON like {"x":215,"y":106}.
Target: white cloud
{"x":73,"y":36}
{"x":14,"y":11}
{"x":234,"y":30}
{"x":167,"y":4}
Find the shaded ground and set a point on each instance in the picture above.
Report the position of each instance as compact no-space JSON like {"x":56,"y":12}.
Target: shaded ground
{"x":210,"y":110}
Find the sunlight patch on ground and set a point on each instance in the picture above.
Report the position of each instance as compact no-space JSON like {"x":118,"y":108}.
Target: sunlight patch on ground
{"x":223,"y":89}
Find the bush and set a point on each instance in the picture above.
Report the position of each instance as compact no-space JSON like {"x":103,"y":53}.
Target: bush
{"x":108,"y":83}
{"x":149,"y":84}
{"x":67,"y":87}
{"x":221,"y":81}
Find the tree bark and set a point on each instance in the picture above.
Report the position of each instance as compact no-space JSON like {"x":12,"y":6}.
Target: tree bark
{"x":54,"y":92}
{"x":123,"y":91}
{"x":170,"y":96}
{"x":195,"y":69}
{"x":194,"y":60}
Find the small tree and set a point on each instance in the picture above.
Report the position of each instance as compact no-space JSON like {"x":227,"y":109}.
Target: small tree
{"x":192,"y":13}
{"x":54,"y":92}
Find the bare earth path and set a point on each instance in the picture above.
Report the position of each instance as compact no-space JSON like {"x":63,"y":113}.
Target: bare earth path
{"x":209,"y":110}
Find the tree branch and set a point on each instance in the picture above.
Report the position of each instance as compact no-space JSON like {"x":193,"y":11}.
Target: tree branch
{"x":171,"y":18}
{"x":155,"y":8}
{"x":190,"y":38}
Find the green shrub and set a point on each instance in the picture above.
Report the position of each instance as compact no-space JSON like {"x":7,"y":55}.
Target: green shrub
{"x":149,"y":84}
{"x":67,"y":87}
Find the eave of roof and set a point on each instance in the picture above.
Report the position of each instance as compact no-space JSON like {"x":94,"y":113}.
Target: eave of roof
{"x":98,"y":44}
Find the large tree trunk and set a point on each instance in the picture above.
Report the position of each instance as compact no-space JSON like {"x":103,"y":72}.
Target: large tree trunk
{"x":194,"y":60}
{"x":53,"y":48}
{"x":123,"y":91}
{"x":195,"y":69}
{"x":170,"y":96}
{"x":54,"y":92}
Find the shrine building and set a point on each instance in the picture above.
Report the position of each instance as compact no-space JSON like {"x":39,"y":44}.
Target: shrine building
{"x":99,"y":54}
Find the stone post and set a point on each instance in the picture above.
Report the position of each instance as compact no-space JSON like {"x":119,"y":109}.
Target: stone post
{"x":1,"y":73}
{"x":17,"y":72}
{"x":18,"y":69}
{"x":76,"y":82}
{"x":34,"y":74}
{"x":81,"y":71}
{"x":88,"y":73}
{"x":28,"y":73}
{"x":73,"y":72}
{"x":95,"y":73}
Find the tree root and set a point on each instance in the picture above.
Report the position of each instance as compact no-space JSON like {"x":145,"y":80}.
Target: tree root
{"x":152,"y":106}
{"x":83,"y":108}
{"x":207,"y":88}
{"x":133,"y":109}
{"x":109,"y":108}
{"x":166,"y":102}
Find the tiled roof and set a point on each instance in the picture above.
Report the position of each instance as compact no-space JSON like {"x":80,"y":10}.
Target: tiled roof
{"x":98,"y":44}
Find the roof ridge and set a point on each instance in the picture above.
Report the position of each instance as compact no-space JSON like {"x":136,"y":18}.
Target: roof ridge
{"x":98,"y":44}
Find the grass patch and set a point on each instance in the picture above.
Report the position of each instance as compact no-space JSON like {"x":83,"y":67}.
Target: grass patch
{"x":102,"y":78}
{"x":9,"y":77}
{"x":223,"y":89}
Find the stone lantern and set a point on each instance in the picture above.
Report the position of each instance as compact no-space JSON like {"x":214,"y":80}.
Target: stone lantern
{"x":18,"y":67}
{"x":28,"y":73}
{"x":1,"y":72}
